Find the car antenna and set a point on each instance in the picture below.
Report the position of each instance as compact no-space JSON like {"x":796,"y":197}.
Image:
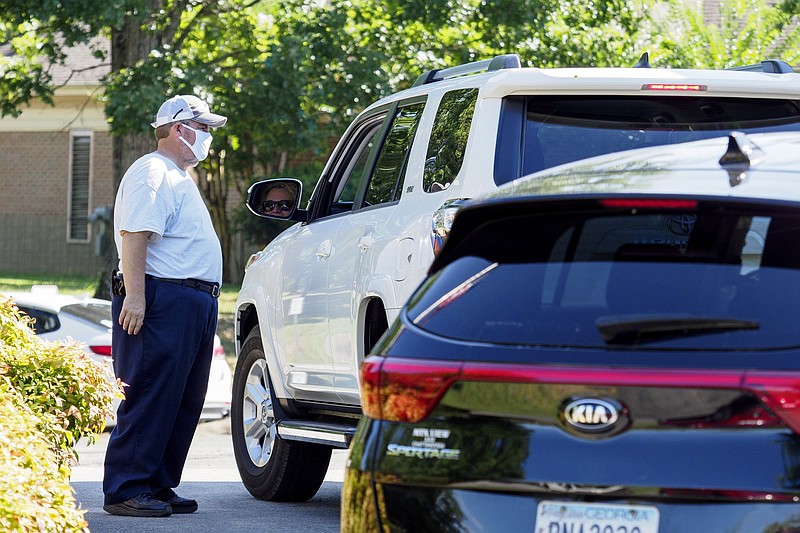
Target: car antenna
{"x":644,"y":61}
{"x":742,"y":153}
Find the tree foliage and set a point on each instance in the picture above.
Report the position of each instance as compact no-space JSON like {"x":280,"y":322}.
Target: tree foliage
{"x":748,"y":32}
{"x":291,"y":74}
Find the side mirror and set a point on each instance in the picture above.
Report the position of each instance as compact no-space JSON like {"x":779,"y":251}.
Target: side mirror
{"x":276,"y":198}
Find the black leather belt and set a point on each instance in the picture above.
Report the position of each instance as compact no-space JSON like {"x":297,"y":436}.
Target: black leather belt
{"x":200,"y":285}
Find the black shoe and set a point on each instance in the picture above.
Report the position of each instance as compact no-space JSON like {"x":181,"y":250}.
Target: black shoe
{"x":141,"y":505}
{"x":180,"y":505}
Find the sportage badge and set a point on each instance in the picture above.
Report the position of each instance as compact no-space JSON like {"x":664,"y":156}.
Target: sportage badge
{"x":591,"y":415}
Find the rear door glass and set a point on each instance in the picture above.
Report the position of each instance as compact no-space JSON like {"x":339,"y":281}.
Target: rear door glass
{"x":448,"y":141}
{"x":705,"y":279}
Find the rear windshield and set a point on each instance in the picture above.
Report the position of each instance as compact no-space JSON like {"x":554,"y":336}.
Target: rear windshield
{"x":702,"y":279}
{"x":99,"y":314}
{"x":540,"y":132}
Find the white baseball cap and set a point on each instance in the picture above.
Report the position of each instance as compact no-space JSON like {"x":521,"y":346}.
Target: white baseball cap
{"x":187,"y":107}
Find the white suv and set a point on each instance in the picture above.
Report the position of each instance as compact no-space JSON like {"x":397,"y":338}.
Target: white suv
{"x":316,"y":299}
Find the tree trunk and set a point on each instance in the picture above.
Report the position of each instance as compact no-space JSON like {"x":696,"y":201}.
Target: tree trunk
{"x":129,"y":45}
{"x":214,"y":187}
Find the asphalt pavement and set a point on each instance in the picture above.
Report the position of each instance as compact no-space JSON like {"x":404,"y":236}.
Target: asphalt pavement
{"x":211,"y":478}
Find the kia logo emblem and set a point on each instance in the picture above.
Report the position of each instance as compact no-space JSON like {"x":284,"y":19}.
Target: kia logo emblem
{"x":590,"y":415}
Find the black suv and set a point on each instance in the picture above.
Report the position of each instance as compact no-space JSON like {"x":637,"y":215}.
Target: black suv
{"x":610,"y":346}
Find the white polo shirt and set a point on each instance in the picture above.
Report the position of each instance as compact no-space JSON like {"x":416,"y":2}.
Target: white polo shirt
{"x":156,"y":195}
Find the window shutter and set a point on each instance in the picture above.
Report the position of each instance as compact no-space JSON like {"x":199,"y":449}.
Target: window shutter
{"x":79,"y":190}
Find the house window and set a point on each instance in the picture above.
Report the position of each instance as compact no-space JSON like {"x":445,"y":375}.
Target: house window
{"x":80,"y":172}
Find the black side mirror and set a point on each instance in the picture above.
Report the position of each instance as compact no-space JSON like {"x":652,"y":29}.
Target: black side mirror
{"x":276,"y":198}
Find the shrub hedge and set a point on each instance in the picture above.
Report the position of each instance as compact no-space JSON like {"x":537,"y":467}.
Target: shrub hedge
{"x":51,"y":395}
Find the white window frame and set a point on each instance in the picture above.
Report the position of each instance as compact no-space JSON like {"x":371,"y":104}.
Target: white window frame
{"x":70,"y":190}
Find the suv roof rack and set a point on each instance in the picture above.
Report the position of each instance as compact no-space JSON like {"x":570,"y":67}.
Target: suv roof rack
{"x":771,"y":66}
{"x":487,"y":65}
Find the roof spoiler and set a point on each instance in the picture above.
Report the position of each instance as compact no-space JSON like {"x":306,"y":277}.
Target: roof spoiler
{"x":487,"y":65}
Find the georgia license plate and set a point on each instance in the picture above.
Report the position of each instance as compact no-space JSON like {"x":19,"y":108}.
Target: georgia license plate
{"x":570,"y":517}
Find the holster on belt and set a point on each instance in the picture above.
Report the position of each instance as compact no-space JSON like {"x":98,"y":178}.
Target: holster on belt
{"x":117,"y":284}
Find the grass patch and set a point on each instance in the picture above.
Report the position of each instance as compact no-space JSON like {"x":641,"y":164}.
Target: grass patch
{"x":81,"y":285}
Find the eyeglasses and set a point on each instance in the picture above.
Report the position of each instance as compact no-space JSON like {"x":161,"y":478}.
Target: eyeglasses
{"x":283,"y":205}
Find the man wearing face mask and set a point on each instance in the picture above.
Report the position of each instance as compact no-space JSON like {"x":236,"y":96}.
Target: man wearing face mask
{"x":164,"y":308}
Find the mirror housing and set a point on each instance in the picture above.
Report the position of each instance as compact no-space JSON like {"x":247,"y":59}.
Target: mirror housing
{"x":277,"y":199}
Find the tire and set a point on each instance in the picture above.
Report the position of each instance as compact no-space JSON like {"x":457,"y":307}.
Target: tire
{"x":271,"y":469}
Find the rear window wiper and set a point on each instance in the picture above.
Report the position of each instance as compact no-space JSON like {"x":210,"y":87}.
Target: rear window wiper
{"x":640,"y":329}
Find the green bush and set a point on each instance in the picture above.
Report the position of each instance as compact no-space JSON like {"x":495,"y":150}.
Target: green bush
{"x":35,"y":494}
{"x":60,"y":382}
{"x":51,"y":395}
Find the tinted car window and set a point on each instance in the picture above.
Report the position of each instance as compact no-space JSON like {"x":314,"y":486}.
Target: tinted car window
{"x":391,"y":164}
{"x":545,"y":131}
{"x":43,"y":321}
{"x":448,"y":140}
{"x":352,"y":172}
{"x":693,"y":280}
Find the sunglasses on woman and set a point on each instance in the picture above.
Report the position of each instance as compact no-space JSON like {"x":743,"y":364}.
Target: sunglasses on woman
{"x":283,"y":205}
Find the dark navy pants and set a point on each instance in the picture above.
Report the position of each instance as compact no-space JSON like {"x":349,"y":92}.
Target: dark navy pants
{"x":166,"y":368}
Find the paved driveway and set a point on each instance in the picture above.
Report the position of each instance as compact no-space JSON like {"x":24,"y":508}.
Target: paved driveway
{"x":212,"y":479}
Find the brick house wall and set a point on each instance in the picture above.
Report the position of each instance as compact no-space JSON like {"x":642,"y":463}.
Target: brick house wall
{"x":55,"y":168}
{"x":35,"y":185}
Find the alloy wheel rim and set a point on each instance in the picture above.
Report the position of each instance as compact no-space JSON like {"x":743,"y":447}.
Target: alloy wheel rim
{"x":258,"y":416}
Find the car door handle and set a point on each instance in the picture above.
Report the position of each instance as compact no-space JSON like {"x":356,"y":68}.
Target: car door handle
{"x":323,"y":251}
{"x":366,"y":241}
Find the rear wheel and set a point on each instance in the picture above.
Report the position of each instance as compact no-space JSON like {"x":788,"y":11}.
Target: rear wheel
{"x":271,"y":468}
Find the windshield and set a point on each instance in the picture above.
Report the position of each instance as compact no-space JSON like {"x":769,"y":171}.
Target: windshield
{"x":710,"y":280}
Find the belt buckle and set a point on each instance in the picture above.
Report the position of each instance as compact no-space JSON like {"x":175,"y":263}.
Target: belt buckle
{"x":215,"y":291}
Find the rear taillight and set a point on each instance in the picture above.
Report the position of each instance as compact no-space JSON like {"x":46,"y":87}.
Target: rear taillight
{"x":780,"y":392}
{"x":219,"y":352}
{"x":408,"y":390}
{"x":404,"y":390}
{"x":101,"y":349}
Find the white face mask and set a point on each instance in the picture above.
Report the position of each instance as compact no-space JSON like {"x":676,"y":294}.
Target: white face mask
{"x":202,"y":143}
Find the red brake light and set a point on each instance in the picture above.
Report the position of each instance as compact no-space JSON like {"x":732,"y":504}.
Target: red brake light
{"x":219,"y":352}
{"x":404,"y":390}
{"x":647,"y":203}
{"x":780,"y":392}
{"x":681,"y":87}
{"x":104,"y":350}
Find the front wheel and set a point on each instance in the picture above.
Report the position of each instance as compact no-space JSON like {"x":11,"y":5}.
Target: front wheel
{"x":271,"y":469}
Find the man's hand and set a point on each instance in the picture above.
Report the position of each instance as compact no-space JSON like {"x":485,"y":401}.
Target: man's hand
{"x":131,"y":317}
